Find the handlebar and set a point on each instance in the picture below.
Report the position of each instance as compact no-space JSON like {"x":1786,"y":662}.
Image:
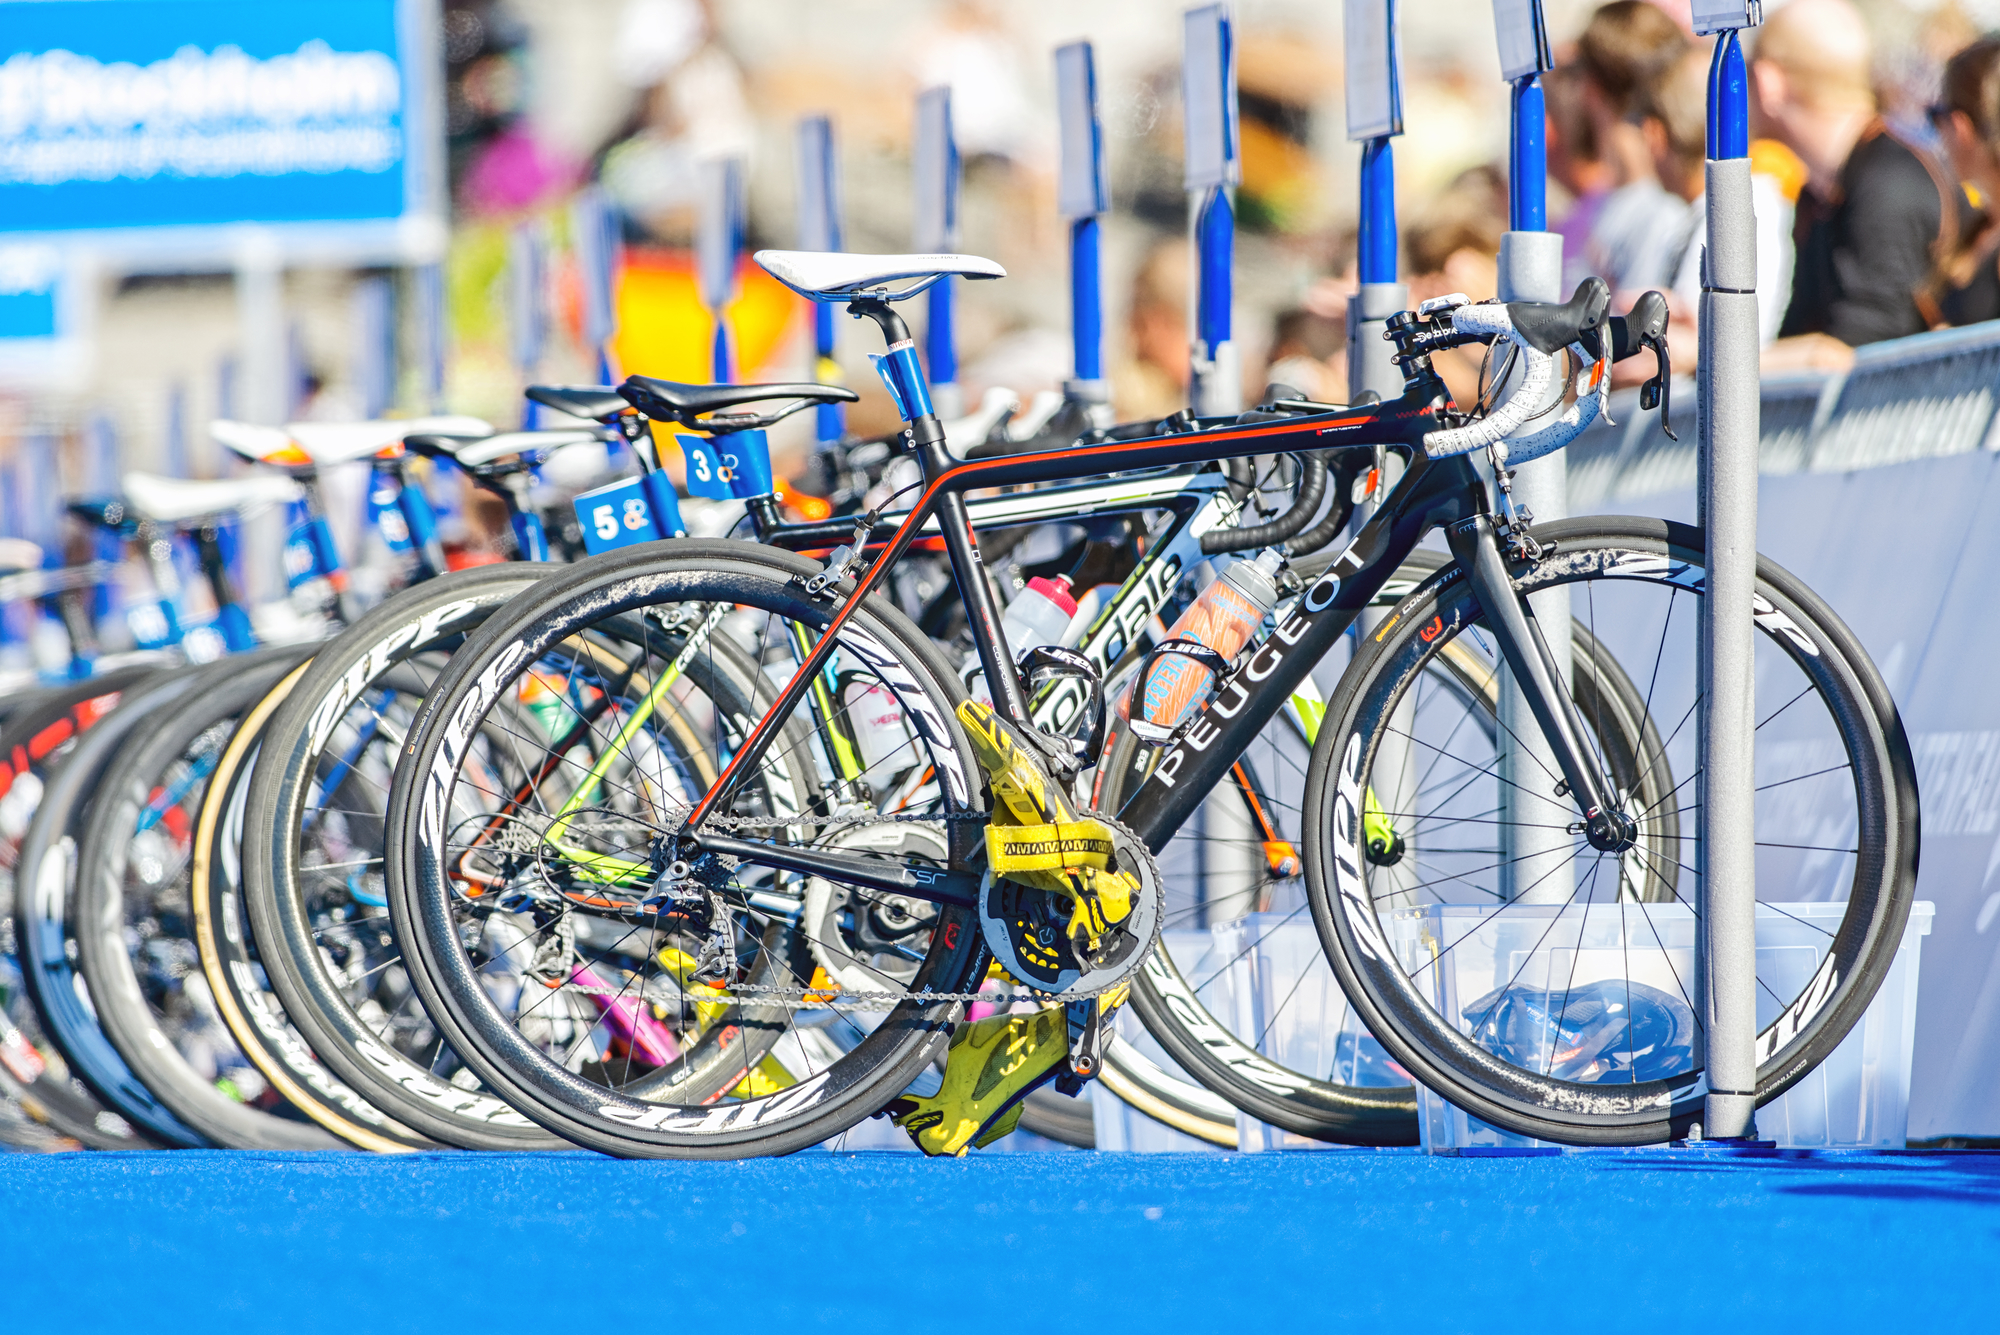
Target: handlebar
{"x":1537,"y":331}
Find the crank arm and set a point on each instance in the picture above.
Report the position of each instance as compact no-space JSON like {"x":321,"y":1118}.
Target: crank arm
{"x":934,"y":884}
{"x":1477,"y":551}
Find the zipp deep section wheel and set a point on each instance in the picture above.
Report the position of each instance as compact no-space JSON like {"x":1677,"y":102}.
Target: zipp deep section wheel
{"x":234,"y":967}
{"x":1551,"y":992}
{"x":135,"y":916}
{"x":1238,"y":996}
{"x":627,"y":1001}
{"x":312,"y":881}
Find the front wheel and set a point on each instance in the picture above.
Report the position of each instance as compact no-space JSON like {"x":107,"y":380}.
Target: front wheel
{"x":1564,"y":1006}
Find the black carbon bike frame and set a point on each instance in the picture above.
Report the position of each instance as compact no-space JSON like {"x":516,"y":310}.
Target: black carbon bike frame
{"x":1431,"y":494}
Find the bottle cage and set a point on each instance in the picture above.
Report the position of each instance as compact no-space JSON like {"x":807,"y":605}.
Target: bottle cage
{"x":1046,"y":663}
{"x":1152,"y":734}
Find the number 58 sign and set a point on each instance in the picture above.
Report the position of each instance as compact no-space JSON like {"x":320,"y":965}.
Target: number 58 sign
{"x":639,"y":509}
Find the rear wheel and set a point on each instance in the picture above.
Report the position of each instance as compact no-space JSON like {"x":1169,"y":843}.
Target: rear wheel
{"x":718,"y":1012}
{"x":135,"y":914}
{"x":314,"y":900}
{"x":37,"y":737}
{"x":1240,"y":995}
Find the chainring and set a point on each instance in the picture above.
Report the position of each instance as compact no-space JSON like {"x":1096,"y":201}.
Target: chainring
{"x":869,"y":939}
{"x":1025,"y":927}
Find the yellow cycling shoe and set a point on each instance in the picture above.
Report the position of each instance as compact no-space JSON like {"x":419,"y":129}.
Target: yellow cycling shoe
{"x":991,"y":1066}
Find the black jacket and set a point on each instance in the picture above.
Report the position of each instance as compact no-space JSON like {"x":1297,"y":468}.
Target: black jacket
{"x":1863,"y":257}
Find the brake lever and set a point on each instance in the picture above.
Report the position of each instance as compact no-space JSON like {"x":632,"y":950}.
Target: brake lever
{"x":1644,"y":327}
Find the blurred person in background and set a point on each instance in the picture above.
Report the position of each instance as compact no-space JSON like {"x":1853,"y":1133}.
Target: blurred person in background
{"x":1965,"y":283}
{"x":1309,"y":355}
{"x":1674,"y":122}
{"x":1874,"y":210}
{"x":1152,"y":380}
{"x":692,"y":104}
{"x":1575,"y":164}
{"x":1621,"y":53}
{"x":1456,"y":248}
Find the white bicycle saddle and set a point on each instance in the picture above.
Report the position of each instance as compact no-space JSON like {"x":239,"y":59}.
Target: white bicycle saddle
{"x":485,"y":449}
{"x":326,"y":443}
{"x":172,"y":500}
{"x":834,"y":276}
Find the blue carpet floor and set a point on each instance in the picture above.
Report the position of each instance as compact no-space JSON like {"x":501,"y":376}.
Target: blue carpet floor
{"x":1001,"y":1243}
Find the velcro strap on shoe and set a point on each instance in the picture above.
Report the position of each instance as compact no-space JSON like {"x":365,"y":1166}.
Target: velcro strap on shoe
{"x":1058,"y":846}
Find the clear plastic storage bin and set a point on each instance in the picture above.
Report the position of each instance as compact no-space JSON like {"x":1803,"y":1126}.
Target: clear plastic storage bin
{"x":1858,"y":1097}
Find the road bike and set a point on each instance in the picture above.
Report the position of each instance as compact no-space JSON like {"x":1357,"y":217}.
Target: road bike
{"x":602,"y":861}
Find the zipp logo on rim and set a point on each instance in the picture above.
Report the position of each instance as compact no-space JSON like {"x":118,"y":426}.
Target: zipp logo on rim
{"x":723,"y":1117}
{"x":368,"y":666}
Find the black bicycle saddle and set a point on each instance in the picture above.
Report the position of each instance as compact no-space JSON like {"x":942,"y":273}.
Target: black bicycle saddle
{"x":596,"y":402}
{"x":668,"y":398}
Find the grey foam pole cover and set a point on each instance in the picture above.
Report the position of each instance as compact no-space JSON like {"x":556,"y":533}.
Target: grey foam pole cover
{"x":1396,"y":768}
{"x":1531,"y":270}
{"x":1218,"y":382}
{"x":263,"y":394}
{"x":1727,"y":851}
{"x":1537,"y":851}
{"x":1731,"y":256}
{"x":1370,"y":357}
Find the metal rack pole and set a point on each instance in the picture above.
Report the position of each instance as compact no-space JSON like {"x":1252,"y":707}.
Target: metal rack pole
{"x":1728,"y":396}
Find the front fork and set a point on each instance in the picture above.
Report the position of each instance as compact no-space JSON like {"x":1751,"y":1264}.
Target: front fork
{"x":1511,"y":619}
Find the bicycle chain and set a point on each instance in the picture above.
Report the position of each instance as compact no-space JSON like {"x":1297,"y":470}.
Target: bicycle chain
{"x":855,"y":1000}
{"x":812,"y":998}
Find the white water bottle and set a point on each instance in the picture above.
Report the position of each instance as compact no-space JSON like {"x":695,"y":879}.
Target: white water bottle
{"x":880,"y":734}
{"x":1039,"y":615}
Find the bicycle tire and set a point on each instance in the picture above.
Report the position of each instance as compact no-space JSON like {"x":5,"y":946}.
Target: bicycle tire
{"x":1171,"y":1095}
{"x":1207,"y":1048}
{"x":34,"y":739}
{"x":45,"y":921}
{"x":230,"y":957}
{"x":715,"y":574}
{"x":1479,"y":1069}
{"x":429,"y":619}
{"x":148,"y":781}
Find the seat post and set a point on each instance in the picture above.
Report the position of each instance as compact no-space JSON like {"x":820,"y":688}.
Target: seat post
{"x":926,"y":432}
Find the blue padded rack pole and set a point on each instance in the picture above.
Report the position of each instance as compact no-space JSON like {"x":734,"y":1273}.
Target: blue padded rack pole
{"x":819,"y":229}
{"x":594,"y":240}
{"x":1083,"y":192}
{"x":937,"y":179}
{"x":1375,"y":261}
{"x":1374,"y":118}
{"x":1727,"y":390}
{"x":718,"y":248}
{"x":1537,"y":859}
{"x":1213,"y":169}
{"x":1528,"y":158}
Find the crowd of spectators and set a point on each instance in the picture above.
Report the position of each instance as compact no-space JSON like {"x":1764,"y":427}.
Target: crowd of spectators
{"x":1865,"y":231}
{"x":1863,"y":234}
